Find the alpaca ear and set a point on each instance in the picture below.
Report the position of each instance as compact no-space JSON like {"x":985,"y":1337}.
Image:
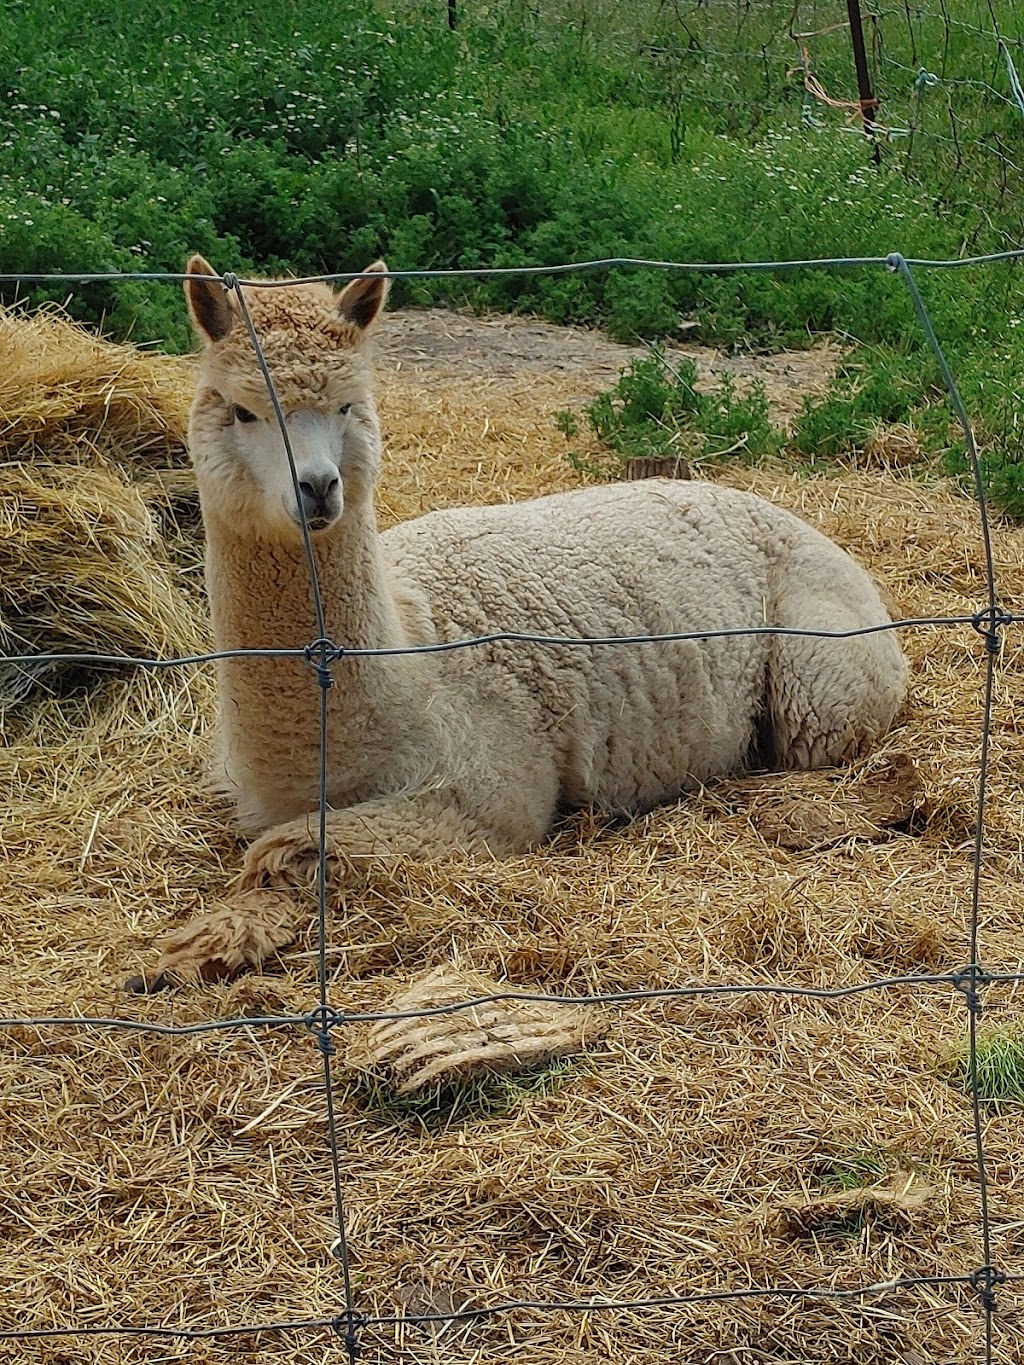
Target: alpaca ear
{"x":362,"y":299}
{"x":209,"y":304}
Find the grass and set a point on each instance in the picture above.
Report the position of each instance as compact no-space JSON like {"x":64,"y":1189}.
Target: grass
{"x":268,"y":138}
{"x":852,"y":1170}
{"x":999,"y":1067}
{"x":445,"y":1105}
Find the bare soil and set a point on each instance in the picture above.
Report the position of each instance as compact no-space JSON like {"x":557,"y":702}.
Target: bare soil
{"x":442,"y":342}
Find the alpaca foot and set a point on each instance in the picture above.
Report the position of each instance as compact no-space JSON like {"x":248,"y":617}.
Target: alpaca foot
{"x":242,"y":933}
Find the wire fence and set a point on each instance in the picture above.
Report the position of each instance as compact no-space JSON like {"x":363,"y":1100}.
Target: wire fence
{"x":927,"y":82}
{"x":326,"y":1017}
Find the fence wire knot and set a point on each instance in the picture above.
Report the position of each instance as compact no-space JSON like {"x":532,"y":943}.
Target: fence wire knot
{"x":348,"y":1325}
{"x":984,"y":1280}
{"x":988,"y":622}
{"x":320,"y":655}
{"x":230,"y":282}
{"x":320,"y":1022}
{"x":968,"y":982}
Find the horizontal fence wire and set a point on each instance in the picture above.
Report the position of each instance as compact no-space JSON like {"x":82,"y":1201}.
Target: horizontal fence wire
{"x":314,"y":1019}
{"x":324,"y":656}
{"x":510,"y":1306}
{"x":890,"y":261}
{"x":979,"y":621}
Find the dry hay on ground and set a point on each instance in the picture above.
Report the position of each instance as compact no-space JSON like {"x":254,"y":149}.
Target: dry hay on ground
{"x":703,"y":1144}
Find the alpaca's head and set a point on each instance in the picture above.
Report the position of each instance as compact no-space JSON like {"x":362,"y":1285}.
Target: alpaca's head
{"x":314,"y":342}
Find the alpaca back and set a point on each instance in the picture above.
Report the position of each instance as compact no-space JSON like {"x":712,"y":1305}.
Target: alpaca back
{"x":626,"y":726}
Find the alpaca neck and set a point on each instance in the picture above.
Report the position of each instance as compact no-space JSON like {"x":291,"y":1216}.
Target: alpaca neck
{"x":379,"y":713}
{"x":261,"y":596}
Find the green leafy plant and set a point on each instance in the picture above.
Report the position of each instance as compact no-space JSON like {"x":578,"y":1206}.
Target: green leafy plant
{"x":876,"y":387}
{"x":655,"y":408}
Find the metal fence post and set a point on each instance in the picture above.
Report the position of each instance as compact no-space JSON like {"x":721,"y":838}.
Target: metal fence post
{"x":868,"y":101}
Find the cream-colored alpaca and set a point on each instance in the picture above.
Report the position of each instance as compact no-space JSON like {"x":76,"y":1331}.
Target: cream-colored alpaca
{"x":479,"y":749}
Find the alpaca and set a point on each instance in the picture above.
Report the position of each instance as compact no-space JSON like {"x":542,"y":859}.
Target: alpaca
{"x":478,"y":750}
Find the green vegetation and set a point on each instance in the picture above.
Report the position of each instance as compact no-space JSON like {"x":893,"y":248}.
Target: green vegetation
{"x":999,"y":1067}
{"x":656,"y":409}
{"x":308,"y":139}
{"x":853,"y":1170}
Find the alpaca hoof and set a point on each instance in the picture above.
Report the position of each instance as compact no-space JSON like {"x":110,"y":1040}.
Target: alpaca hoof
{"x":139,"y":985}
{"x":164,"y":981}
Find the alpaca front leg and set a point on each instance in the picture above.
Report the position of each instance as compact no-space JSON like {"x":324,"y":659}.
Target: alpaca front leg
{"x":268,"y":910}
{"x":422,"y":827}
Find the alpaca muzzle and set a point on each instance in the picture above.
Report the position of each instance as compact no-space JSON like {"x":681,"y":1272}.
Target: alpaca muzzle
{"x":321,"y":500}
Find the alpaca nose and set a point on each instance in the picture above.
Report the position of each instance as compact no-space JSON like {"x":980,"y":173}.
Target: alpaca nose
{"x":320,"y":496}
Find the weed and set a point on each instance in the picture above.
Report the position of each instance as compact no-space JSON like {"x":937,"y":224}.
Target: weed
{"x":999,"y":1069}
{"x":656,"y":409}
{"x":568,"y":423}
{"x":871,"y":389}
{"x":852,"y":1170}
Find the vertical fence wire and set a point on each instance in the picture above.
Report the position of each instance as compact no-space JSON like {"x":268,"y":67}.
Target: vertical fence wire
{"x":320,"y":654}
{"x":986,"y":1276}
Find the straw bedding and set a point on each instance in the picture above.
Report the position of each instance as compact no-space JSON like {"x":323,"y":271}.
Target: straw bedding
{"x":700,"y":1144}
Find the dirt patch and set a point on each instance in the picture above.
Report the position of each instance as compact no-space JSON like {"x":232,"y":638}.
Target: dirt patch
{"x":437,"y":341}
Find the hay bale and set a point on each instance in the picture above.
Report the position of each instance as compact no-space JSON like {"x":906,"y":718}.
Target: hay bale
{"x":66,"y":395}
{"x":83,"y":569}
{"x":91,"y":450}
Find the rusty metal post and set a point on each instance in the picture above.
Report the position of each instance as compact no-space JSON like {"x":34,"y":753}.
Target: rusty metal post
{"x":868,"y":101}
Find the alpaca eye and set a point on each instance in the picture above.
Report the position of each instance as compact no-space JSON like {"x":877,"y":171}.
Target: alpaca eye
{"x":244,"y":415}
{"x":344,"y":408}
